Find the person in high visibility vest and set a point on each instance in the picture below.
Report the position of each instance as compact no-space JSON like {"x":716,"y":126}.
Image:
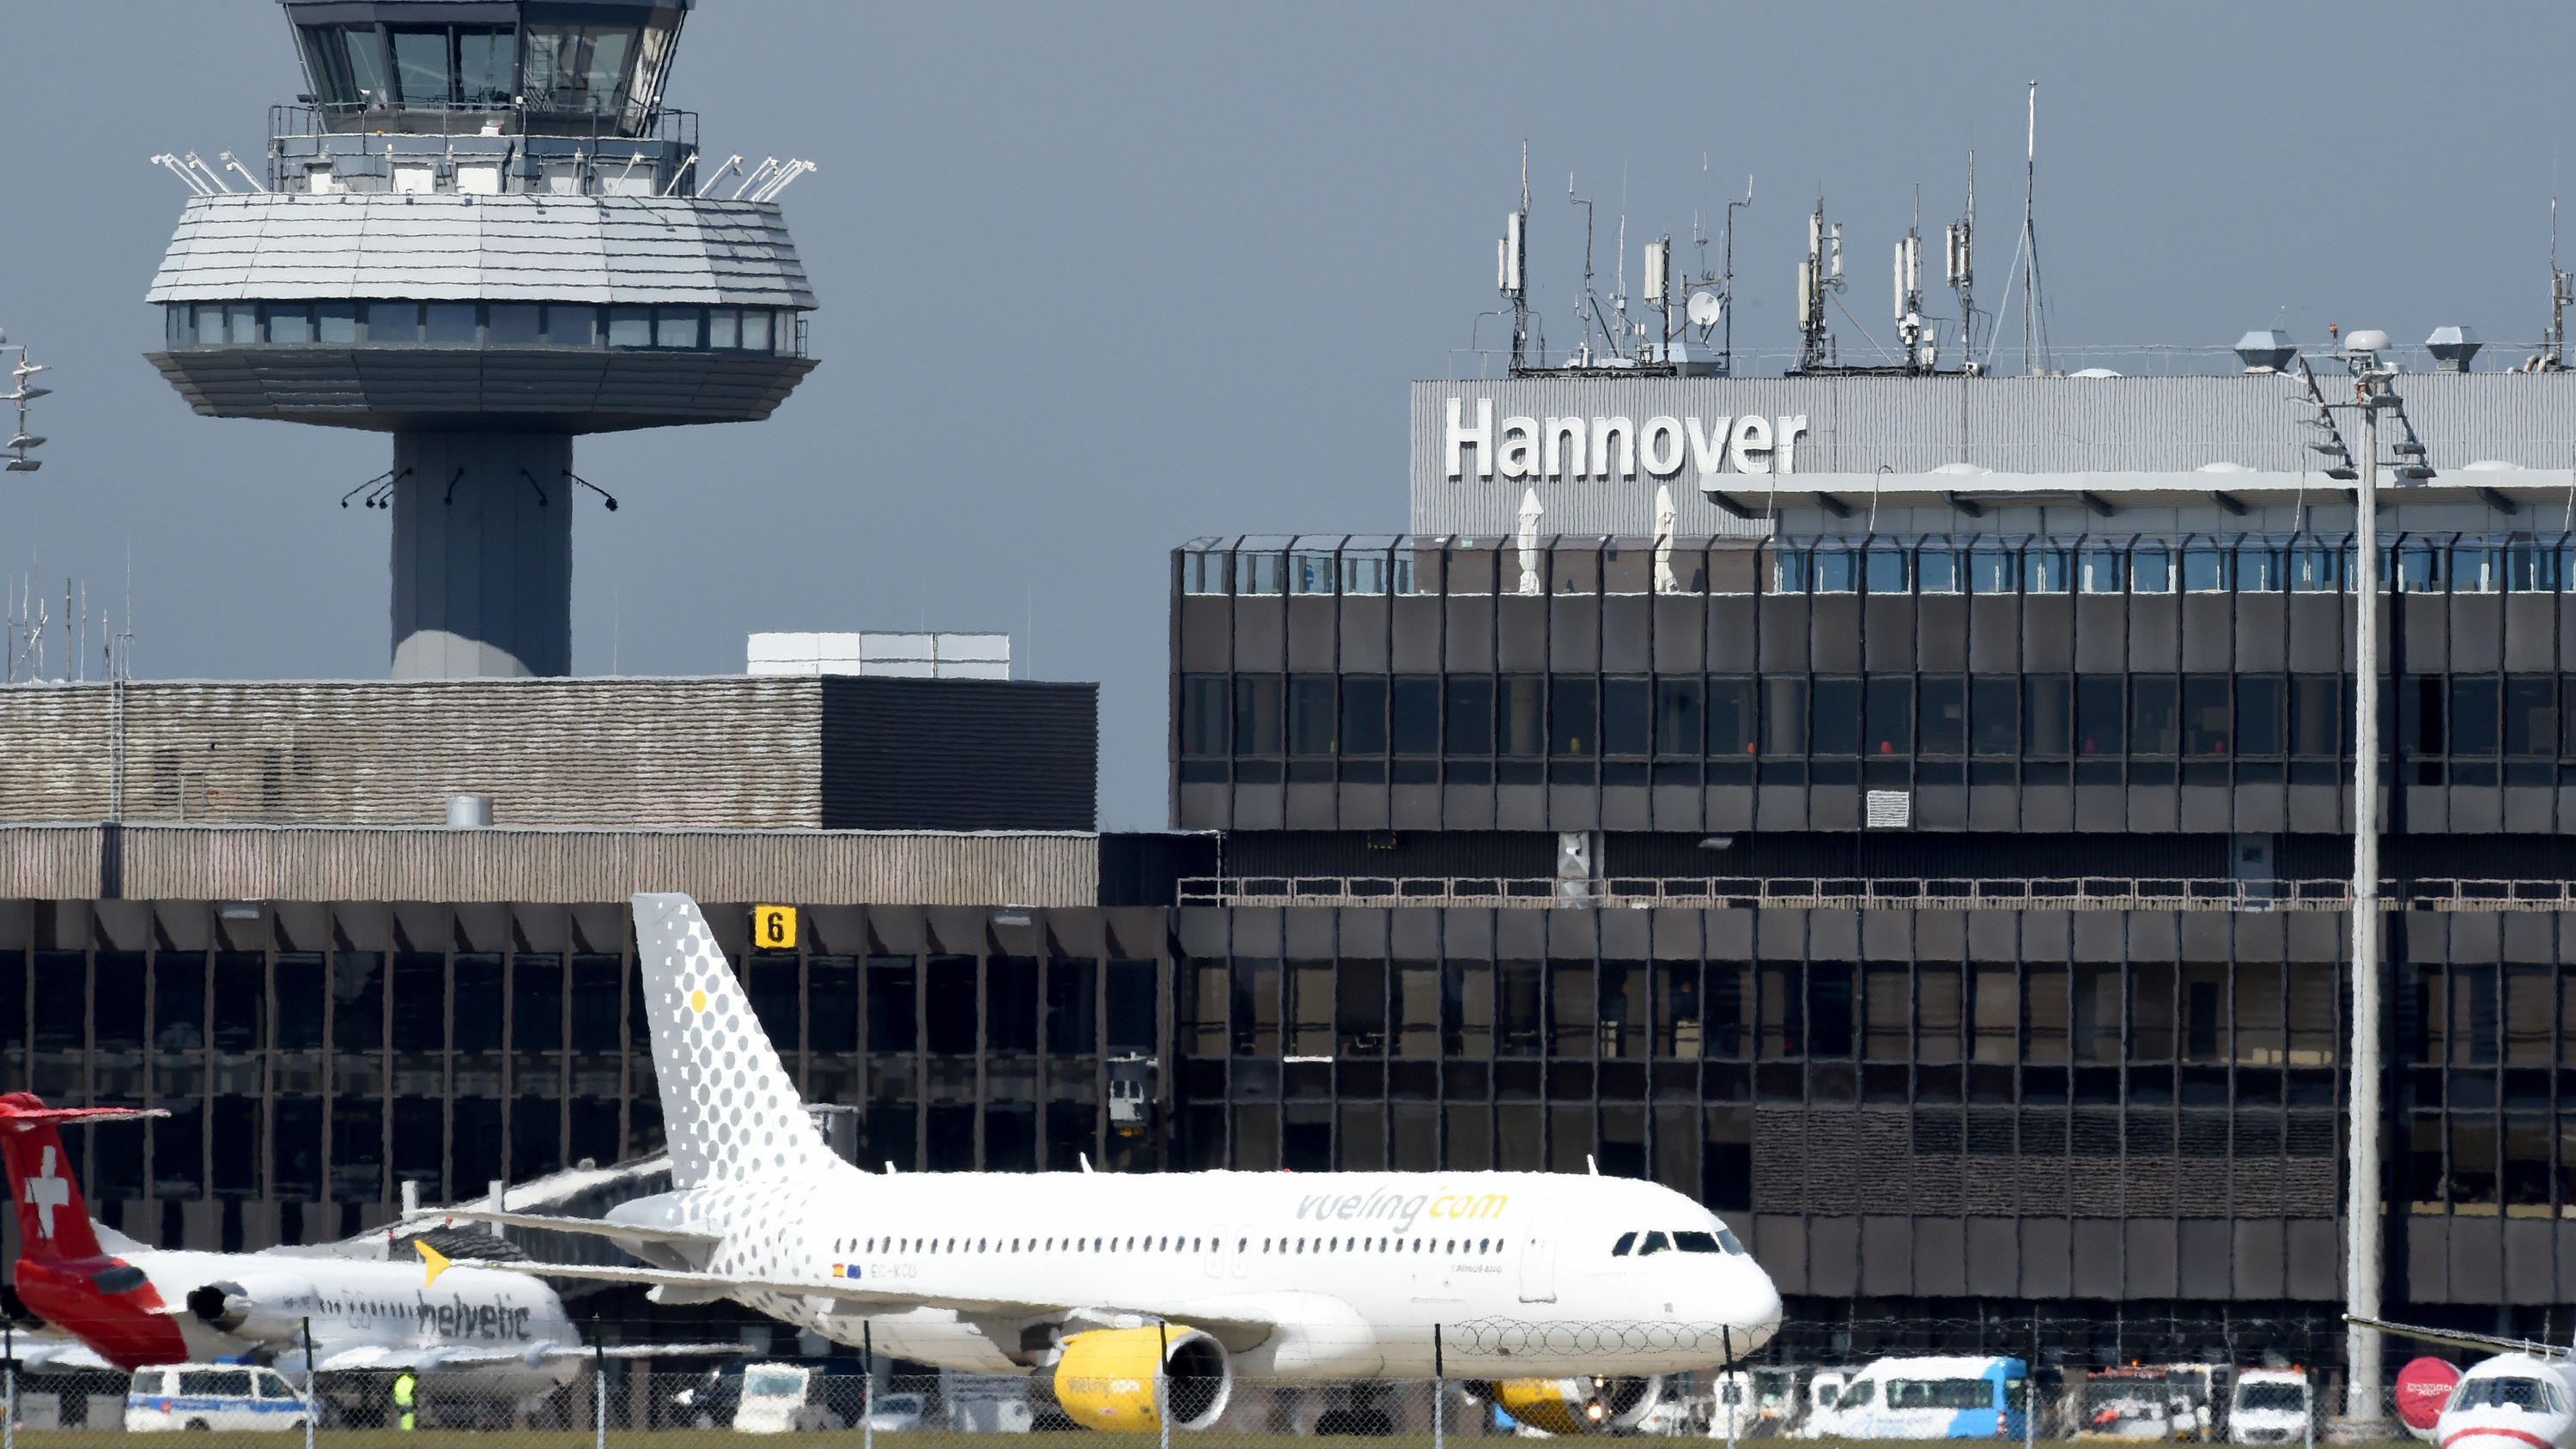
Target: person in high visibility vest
{"x":405,"y":1387}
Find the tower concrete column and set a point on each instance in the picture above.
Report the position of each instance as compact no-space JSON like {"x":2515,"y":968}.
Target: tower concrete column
{"x":482,"y":555}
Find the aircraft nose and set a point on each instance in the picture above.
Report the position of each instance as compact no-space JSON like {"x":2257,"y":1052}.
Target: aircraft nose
{"x":1757,"y":1317}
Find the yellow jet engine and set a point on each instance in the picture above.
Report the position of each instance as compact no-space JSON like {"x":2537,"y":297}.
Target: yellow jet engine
{"x":1578,"y":1405}
{"x":1105,"y":1378}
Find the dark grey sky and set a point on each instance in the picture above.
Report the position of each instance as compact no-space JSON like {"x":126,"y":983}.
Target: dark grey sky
{"x":1098,"y":279}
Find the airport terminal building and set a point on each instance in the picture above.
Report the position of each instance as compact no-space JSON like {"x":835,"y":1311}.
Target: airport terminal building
{"x":1926,"y":841}
{"x":1909,"y":813}
{"x":1938,"y":870}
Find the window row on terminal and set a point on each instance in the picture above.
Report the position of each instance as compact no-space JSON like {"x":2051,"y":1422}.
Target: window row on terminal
{"x":1486,"y":729}
{"x":582,"y":325}
{"x":2414,"y":563}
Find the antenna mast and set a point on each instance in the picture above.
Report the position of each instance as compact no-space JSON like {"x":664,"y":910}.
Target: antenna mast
{"x":2034,"y":323}
{"x":1959,"y":267}
{"x":1919,"y":355}
{"x":1726,"y":285}
{"x":1820,"y":273}
{"x":1511,"y":267}
{"x":2562,"y":290}
{"x":1588,"y":311}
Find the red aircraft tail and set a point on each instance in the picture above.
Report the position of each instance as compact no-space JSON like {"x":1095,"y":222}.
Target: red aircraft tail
{"x":53,"y":1220}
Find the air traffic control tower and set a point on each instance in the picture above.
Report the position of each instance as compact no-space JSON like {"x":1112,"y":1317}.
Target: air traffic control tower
{"x":483,"y":233}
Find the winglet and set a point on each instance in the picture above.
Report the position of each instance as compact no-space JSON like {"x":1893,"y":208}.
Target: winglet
{"x":435,"y":1260}
{"x":1086,"y":1160}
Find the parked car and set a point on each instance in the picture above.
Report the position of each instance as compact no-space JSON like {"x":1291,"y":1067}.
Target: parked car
{"x":213,"y":1396}
{"x":893,"y":1412}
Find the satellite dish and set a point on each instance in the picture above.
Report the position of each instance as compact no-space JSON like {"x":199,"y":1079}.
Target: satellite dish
{"x":1706,"y":308}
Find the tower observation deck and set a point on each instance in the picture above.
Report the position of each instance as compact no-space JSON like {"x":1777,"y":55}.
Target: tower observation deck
{"x":482,"y":233}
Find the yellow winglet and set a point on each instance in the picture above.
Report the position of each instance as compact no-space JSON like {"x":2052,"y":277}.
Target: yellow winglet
{"x":435,"y":1260}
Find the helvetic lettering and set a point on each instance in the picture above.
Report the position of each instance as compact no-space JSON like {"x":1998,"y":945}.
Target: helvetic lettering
{"x":1749,"y":446}
{"x":1480,"y":437}
{"x":1610,"y":462}
{"x":1708,"y":449}
{"x":1611,"y":448}
{"x":1519,"y":449}
{"x":1661,"y":454}
{"x":1569,"y":432}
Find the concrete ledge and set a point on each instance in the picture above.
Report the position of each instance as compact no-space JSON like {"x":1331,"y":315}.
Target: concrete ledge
{"x":325,"y":863}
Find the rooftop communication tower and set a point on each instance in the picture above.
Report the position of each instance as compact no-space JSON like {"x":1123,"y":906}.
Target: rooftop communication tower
{"x":1959,"y":266}
{"x":482,"y":232}
{"x":1511,"y":267}
{"x":1922,"y":349}
{"x":1819,"y":274}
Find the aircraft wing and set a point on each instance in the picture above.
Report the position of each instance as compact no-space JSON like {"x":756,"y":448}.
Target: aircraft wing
{"x":588,"y":1227}
{"x":883,"y":1300}
{"x":425,"y":1360}
{"x":35,"y":1353}
{"x":2483,"y":1342}
{"x":1241,"y":1322}
{"x":435,"y":1359}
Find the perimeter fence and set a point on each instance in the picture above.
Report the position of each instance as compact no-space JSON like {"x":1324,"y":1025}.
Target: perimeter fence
{"x":1899,"y":1398}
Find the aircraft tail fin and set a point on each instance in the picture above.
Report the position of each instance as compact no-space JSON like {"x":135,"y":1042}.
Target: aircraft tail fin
{"x":729,"y":1109}
{"x":53,"y":1219}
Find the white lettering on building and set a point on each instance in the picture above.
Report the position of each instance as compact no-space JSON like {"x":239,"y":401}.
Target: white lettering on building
{"x":1613,"y":448}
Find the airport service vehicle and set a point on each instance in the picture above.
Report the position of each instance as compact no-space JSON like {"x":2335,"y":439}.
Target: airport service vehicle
{"x":1928,"y":1398}
{"x":212,"y":1396}
{"x":1825,"y":1389}
{"x":2524,"y":1397}
{"x":896,"y":1411}
{"x":780,"y":1397}
{"x":1109,"y":1282}
{"x":2139,"y":1402}
{"x":504,"y":1334}
{"x":2270,"y":1406}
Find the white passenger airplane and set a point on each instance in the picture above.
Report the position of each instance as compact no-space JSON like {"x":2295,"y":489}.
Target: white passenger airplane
{"x":1570,"y":1291}
{"x":2522,"y":1398}
{"x":499,"y":1335}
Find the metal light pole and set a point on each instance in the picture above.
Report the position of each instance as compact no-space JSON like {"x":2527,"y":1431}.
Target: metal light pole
{"x":2363,"y":1228}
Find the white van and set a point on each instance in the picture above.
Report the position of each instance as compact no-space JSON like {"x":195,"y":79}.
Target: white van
{"x":774,"y":1400}
{"x":2271,"y":1407}
{"x":212,"y":1396}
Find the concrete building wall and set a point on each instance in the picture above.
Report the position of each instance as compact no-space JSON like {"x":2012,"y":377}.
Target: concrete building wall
{"x":733,"y":752}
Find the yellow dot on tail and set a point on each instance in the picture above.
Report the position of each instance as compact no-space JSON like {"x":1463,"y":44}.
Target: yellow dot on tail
{"x":697,"y":1001}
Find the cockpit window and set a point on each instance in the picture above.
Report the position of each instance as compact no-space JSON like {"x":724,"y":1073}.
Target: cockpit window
{"x":1620,"y":1248}
{"x":1695,"y":1242}
{"x":2531,"y":1395}
{"x":1726,"y":1239}
{"x":1655,"y":1243}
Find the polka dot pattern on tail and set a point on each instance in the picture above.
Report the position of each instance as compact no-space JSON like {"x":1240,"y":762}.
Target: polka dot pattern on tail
{"x":728,"y":1107}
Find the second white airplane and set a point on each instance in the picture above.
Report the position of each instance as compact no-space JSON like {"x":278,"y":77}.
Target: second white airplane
{"x":1562,"y":1287}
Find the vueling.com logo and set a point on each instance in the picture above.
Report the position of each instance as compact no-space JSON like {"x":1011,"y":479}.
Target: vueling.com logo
{"x":1402,"y":1211}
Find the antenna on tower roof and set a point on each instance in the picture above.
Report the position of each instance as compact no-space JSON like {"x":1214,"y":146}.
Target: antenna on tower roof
{"x":2034,"y":307}
{"x":2552,"y":356}
{"x":1588,"y":311}
{"x":1511,"y":267}
{"x":1959,"y":268}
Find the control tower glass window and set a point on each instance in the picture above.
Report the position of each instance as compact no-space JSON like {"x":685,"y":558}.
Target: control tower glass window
{"x":580,"y":68}
{"x":348,"y":66}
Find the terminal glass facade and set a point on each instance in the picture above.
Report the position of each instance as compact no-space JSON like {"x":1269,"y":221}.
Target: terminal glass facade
{"x":315,"y":1058}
